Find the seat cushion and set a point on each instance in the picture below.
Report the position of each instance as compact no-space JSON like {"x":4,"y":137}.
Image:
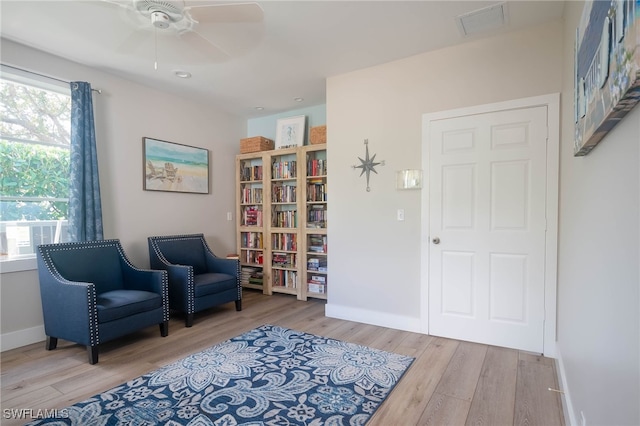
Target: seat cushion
{"x":116,"y":304}
{"x":213,"y":282}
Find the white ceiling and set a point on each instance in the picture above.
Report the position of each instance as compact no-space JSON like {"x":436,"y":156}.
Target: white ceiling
{"x":288,"y":53}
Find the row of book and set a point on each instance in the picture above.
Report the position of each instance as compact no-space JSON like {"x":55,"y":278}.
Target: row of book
{"x":316,"y":191}
{"x":316,"y":214}
{"x":284,"y":169}
{"x":285,"y":219}
{"x":251,"y":196}
{"x":284,"y":260}
{"x":251,"y":256}
{"x":284,"y":278}
{"x":251,"y":216}
{"x":251,"y":240}
{"x":317,"y":243}
{"x":316,"y":167}
{"x":250,"y":275}
{"x":286,"y":242}
{"x":283,"y":193}
{"x":316,"y":288}
{"x":251,"y":173}
{"x":317,"y":264}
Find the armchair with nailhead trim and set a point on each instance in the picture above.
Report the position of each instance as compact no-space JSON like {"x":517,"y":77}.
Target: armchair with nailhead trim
{"x":91,"y":293}
{"x":198,"y":279}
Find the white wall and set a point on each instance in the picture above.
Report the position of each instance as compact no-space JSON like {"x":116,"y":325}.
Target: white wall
{"x":126,"y":112}
{"x":598,"y":277}
{"x":375,"y":259}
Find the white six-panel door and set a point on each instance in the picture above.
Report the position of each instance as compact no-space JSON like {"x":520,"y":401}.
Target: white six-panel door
{"x":487,"y":190}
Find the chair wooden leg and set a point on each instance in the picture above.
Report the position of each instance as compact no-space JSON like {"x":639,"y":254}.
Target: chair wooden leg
{"x":93,"y":354}
{"x":164,"y":328}
{"x":189,"y":320}
{"x":52,"y":342}
{"x":239,"y":305}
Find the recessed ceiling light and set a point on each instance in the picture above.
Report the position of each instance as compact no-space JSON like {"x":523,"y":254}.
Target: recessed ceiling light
{"x":182,"y":74}
{"x":259,"y":108}
{"x":298,"y":99}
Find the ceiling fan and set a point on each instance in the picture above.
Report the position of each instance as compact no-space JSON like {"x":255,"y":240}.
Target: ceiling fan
{"x":214,"y":30}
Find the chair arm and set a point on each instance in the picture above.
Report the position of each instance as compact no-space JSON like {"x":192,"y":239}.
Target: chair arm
{"x":144,"y":279}
{"x":221,"y":264}
{"x":69,"y":308}
{"x":182,"y":288}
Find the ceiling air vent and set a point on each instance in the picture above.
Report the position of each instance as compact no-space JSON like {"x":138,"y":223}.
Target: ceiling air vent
{"x":482,"y":20}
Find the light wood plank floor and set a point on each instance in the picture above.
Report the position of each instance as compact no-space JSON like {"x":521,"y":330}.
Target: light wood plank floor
{"x":450,"y":383}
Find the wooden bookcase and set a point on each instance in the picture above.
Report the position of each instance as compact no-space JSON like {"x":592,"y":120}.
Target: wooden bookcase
{"x":250,"y":214}
{"x":314,"y":226}
{"x":282,"y":224}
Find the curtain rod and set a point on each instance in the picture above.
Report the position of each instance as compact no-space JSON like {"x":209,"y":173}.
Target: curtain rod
{"x":99,"y":91}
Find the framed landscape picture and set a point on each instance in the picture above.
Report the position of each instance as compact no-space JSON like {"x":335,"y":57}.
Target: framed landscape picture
{"x":607,"y":69}
{"x":174,"y":167}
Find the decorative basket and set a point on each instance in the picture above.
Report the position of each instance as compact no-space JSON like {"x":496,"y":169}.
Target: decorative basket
{"x":256,"y":144}
{"x":318,"y":135}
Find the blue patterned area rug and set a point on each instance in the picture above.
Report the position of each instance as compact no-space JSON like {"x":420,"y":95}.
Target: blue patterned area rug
{"x":267,"y":376}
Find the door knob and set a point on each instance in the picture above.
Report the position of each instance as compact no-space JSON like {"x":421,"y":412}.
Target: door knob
{"x":436,"y":240}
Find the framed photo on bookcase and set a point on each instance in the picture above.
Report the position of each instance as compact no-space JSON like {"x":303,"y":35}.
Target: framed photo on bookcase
{"x":290,"y":131}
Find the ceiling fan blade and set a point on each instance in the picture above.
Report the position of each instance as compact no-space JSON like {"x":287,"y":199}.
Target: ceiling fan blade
{"x":209,"y":51}
{"x":121,"y":3}
{"x":136,"y":42}
{"x":226,"y":13}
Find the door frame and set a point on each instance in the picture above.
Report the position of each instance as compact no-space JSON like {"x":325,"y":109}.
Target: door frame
{"x":552,"y":102}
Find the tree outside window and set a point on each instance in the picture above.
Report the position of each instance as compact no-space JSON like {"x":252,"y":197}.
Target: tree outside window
{"x":34,"y":165}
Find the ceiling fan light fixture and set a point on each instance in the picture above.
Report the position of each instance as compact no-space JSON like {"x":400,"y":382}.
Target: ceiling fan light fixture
{"x":160,"y":20}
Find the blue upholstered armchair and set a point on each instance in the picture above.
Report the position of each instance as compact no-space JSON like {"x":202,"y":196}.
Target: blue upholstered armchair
{"x":91,"y":293}
{"x":198,"y":279}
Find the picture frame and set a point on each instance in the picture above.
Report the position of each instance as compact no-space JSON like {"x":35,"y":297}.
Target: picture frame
{"x":174,"y":167}
{"x":606,"y":69}
{"x":290,"y":132}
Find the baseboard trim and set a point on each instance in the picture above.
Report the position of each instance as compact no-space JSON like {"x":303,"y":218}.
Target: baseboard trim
{"x":397,"y":322}
{"x":16,"y":339}
{"x":567,"y":406}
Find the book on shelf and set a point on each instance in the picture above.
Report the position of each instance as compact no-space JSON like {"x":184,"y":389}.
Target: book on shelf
{"x":320,"y":279}
{"x":251,"y":173}
{"x":316,"y":167}
{"x":284,"y":278}
{"x":283,"y":260}
{"x":284,"y":169}
{"x":251,"y":275}
{"x":252,"y":216}
{"x":317,"y":264}
{"x":316,"y":288}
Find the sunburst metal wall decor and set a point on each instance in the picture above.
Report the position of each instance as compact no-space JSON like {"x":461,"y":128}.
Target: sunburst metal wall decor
{"x":368,"y":164}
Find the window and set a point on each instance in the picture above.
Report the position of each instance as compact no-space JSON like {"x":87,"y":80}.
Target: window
{"x":34,"y":163}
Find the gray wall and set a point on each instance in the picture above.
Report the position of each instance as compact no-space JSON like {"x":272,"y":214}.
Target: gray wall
{"x":598,"y":276}
{"x":126,"y":112}
{"x":375,"y":259}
